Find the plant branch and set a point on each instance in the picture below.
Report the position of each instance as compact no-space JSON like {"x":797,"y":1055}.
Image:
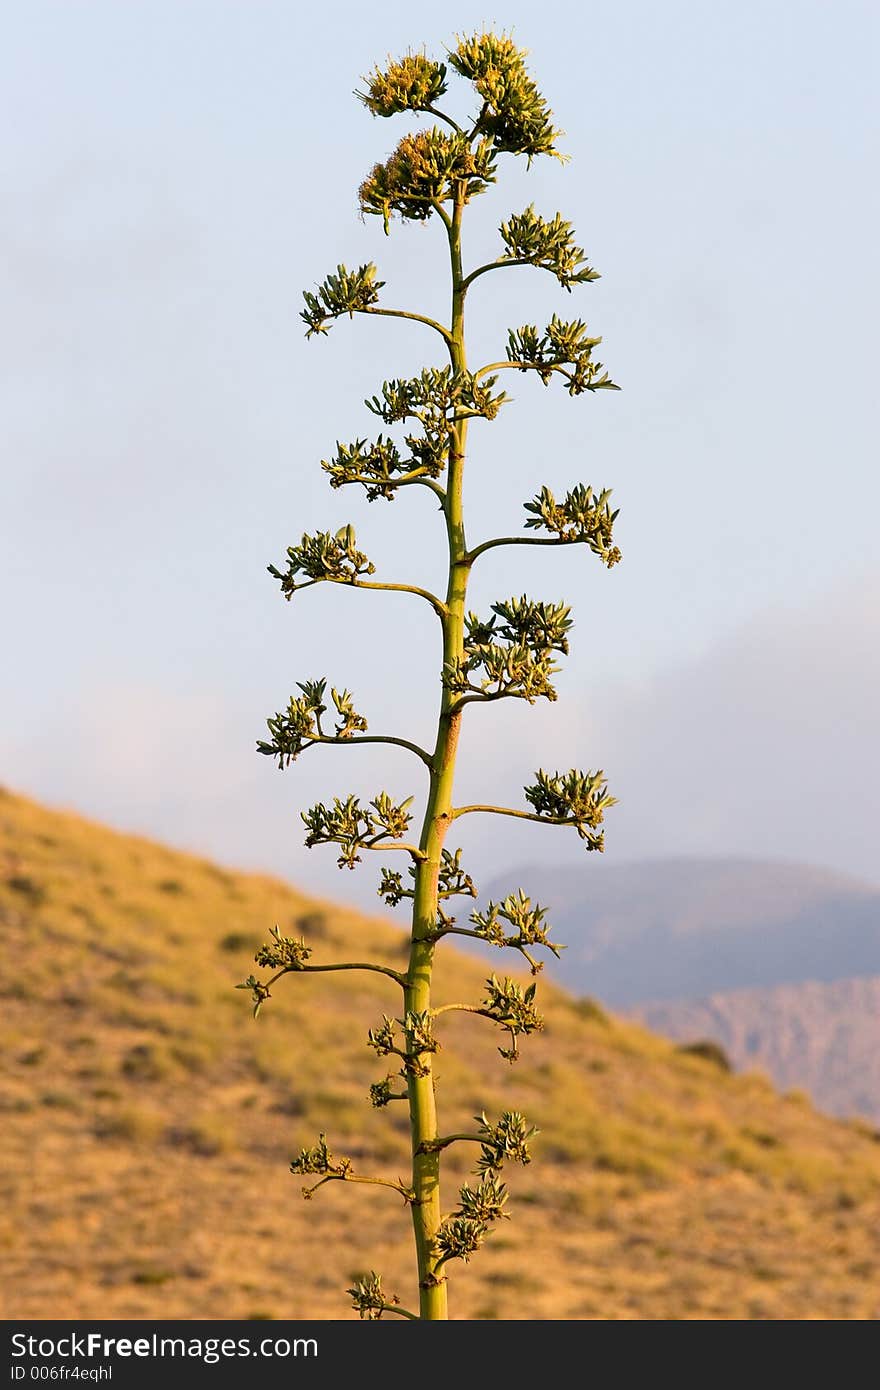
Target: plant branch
{"x":442,"y":214}
{"x":405,"y":1192}
{"x":437,"y":604}
{"x":458,"y":931}
{"x":401,"y":480}
{"x":374,"y":738}
{"x":417,"y":477}
{"x":463,"y":1008}
{"x":483,"y":697}
{"x":356,"y":965}
{"x":535,"y":965}
{"x":521,"y":366}
{"x":434,"y":486}
{"x":417,"y":854}
{"x":431,"y":1146}
{"x":346,"y":965}
{"x":508,"y":811}
{"x":493,"y":265}
{"x":401,"y":1312}
{"x":416,"y":318}
{"x":441,"y":116}
{"x":522,"y":540}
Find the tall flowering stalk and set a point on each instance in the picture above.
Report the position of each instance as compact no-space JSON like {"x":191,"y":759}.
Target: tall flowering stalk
{"x":510,"y":653}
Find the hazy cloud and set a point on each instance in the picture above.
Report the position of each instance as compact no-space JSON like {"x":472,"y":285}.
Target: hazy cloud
{"x":764,"y":746}
{"x":767,"y":744}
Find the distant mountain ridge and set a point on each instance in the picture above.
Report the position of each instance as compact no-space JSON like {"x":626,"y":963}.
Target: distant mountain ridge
{"x":778,"y":962}
{"x":824,"y":1038}
{"x":686,"y":928}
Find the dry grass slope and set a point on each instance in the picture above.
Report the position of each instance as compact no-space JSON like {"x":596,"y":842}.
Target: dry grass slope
{"x":149,"y":1122}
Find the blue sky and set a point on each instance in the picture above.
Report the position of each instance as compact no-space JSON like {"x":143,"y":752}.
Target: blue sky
{"x":175,"y":174}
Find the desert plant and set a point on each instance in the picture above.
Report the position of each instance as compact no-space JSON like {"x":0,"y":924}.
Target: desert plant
{"x":511,"y":653}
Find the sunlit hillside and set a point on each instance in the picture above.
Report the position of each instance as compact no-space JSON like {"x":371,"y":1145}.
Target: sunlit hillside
{"x":149,"y":1122}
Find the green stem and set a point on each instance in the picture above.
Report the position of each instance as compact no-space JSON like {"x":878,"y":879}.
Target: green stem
{"x":463,"y":1009}
{"x":509,"y":942}
{"x":401,"y":1312}
{"x":416,"y":318}
{"x":346,"y":965}
{"x":426,"y":1209}
{"x":435,"y":603}
{"x":415,"y":476}
{"x":519,"y":366}
{"x":370,"y":738}
{"x":441,"y":116}
{"x":438,"y":607}
{"x":381,"y":847}
{"x":524,"y":540}
{"x":405,"y":1193}
{"x":508,"y":811}
{"x":447,"y":1139}
{"x":500,"y":264}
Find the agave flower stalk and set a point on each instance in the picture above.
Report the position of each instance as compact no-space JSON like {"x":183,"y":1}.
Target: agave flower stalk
{"x":510,"y":653}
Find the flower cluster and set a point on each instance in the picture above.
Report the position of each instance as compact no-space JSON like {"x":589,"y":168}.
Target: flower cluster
{"x":368,"y":1297}
{"x":378,"y":466}
{"x":426,"y":169}
{"x":573,"y":798}
{"x":462,"y":1233}
{"x":418,"y":1039}
{"x":281,"y":953}
{"x":562,"y":347}
{"x":347,"y":292}
{"x":452,"y":881}
{"x":382,"y":1092}
{"x":512,"y":652}
{"x":508,"y":1140}
{"x":517,"y":911}
{"x":324,"y":556}
{"x":412,"y":83}
{"x":514,"y":114}
{"x":299,"y":726}
{"x":320,"y":1160}
{"x":437,"y":398}
{"x":581,"y":516}
{"x":548,"y":246}
{"x":353,"y":826}
{"x":513,"y":1007}
{"x":259,"y":992}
